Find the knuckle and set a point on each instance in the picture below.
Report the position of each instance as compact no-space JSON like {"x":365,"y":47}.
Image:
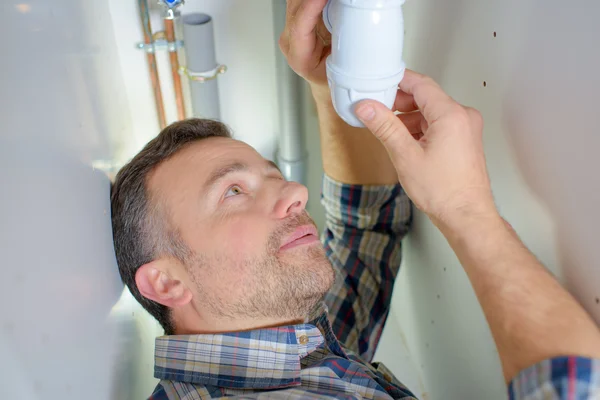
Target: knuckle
{"x":474,"y":121}
{"x":384,"y":130}
{"x":283,"y":42}
{"x":417,"y":75}
{"x":427,"y":80}
{"x":293,"y":30}
{"x":420,"y":85}
{"x":475,"y":116}
{"x":459,"y":116}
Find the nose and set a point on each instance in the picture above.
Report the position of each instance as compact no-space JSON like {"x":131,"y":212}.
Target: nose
{"x":291,"y":200}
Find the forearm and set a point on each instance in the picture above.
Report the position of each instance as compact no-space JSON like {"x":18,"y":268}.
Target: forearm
{"x":350,"y":155}
{"x":531,"y":316}
{"x":363,"y":233}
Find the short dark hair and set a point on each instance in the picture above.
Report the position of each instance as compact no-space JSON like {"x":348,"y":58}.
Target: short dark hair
{"x":142,"y":231}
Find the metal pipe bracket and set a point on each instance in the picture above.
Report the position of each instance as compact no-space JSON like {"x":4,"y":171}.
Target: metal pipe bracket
{"x":160,"y":44}
{"x":203,"y":76}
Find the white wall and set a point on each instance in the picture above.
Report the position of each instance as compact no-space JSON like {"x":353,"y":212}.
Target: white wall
{"x":62,"y":113}
{"x":541,"y":137}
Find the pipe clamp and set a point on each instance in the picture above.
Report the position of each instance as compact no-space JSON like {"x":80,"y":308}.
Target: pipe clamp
{"x":203,"y":76}
{"x":160,"y":44}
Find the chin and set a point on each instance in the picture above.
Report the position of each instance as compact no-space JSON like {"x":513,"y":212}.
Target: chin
{"x":324,"y":270}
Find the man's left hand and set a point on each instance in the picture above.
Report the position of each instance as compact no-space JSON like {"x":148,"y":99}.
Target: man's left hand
{"x":305,"y":41}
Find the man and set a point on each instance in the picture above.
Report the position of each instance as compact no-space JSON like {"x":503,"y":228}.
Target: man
{"x":216,"y":245}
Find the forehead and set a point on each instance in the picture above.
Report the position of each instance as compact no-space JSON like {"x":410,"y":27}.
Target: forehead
{"x":192,"y":165}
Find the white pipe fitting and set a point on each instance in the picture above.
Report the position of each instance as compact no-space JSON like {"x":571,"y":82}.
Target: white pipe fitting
{"x":366,"y":56}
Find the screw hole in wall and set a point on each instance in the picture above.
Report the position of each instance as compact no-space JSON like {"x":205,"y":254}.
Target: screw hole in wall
{"x":494,"y":34}
{"x":484,"y":84}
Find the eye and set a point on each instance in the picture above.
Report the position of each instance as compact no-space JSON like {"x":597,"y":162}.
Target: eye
{"x":233,"y":191}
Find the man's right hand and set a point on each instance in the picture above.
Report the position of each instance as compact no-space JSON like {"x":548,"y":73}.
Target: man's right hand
{"x":437,"y":152}
{"x":436,"y":147}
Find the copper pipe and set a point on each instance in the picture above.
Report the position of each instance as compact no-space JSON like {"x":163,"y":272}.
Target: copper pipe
{"x":151,"y":59}
{"x":170,"y":36}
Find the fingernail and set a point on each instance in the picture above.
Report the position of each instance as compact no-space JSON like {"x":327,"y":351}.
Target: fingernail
{"x":365,"y":112}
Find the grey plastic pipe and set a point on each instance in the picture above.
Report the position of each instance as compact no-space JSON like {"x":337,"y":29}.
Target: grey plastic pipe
{"x":199,"y":42}
{"x":291,"y":153}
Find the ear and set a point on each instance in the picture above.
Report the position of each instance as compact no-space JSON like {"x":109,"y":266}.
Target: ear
{"x":155,"y":283}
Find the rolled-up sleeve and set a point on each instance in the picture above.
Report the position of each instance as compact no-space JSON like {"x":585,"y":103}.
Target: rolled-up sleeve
{"x":362,"y":238}
{"x":562,"y":378}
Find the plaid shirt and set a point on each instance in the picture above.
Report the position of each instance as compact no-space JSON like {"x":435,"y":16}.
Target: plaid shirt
{"x":364,"y":227}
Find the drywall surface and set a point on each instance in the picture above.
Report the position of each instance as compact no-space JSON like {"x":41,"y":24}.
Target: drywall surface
{"x":62,"y":115}
{"x":531,"y":68}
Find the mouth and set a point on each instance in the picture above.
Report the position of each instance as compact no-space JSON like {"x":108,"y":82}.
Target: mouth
{"x":302,"y":236}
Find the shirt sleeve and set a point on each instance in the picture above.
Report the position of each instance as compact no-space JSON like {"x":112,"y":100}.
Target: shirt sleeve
{"x":362,"y":238}
{"x":159,"y":393}
{"x":562,"y":378}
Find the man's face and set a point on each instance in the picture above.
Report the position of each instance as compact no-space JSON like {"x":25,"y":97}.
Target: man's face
{"x":237,"y":214}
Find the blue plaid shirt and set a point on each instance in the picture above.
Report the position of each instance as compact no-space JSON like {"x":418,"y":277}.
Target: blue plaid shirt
{"x":364,"y":228}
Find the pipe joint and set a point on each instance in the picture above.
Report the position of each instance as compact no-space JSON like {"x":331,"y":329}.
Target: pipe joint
{"x":293,"y":170}
{"x":366,"y":57}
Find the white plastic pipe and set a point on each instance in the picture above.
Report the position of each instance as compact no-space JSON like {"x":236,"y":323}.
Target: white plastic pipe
{"x":366,"y":57}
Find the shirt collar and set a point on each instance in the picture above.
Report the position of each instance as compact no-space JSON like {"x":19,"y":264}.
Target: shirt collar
{"x":259,"y":359}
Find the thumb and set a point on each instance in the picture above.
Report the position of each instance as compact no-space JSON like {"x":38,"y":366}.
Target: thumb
{"x":388,"y":128}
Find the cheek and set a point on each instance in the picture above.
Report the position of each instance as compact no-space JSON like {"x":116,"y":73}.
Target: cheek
{"x":243,"y":237}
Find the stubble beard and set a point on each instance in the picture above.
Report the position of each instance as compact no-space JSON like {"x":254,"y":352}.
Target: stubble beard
{"x":284,"y":286}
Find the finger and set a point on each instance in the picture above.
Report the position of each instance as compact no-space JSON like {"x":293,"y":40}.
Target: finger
{"x":432,"y":101}
{"x":404,"y":102}
{"x":307,"y":16}
{"x":291,"y":10}
{"x":284,"y":43}
{"x":417,"y":136}
{"x":424,"y":126}
{"x":412,"y":121}
{"x":290,"y":13}
{"x":390,"y":130}
{"x":302,"y":29}
{"x":323,"y":33}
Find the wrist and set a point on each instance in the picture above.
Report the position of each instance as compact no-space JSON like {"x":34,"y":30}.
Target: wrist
{"x":470,"y":220}
{"x":321,"y":93}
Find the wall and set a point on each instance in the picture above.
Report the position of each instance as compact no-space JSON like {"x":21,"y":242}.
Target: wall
{"x":62,"y":114}
{"x":539,"y":102}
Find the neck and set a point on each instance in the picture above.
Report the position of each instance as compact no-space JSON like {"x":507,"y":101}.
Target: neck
{"x":189,"y":322}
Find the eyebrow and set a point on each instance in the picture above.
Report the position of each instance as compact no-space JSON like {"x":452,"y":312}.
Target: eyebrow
{"x":274,"y":166}
{"x":225,"y":170}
